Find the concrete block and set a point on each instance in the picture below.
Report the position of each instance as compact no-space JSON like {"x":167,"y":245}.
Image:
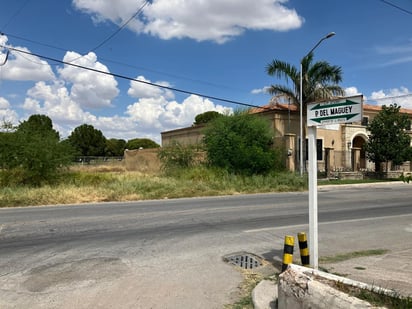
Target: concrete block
{"x":298,"y":289}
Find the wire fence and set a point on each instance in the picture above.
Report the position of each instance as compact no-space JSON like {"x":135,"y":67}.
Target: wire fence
{"x":94,"y":160}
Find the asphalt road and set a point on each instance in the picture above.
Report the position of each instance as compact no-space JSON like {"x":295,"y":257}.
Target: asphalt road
{"x":168,"y":253}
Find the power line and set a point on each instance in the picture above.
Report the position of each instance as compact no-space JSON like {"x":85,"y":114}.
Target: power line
{"x":397,"y":7}
{"x":136,"y":80}
{"x":116,"y":32}
{"x":15,"y":14}
{"x":122,"y":26}
{"x":393,"y":97}
{"x":119,"y":63}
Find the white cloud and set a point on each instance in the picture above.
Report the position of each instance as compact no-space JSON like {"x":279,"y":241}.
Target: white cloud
{"x":398,"y":54}
{"x":157,"y":110}
{"x":89,"y":89}
{"x":6,"y":113}
{"x":351,"y":91}
{"x":263,"y":90}
{"x":184,"y":113}
{"x":401,"y":96}
{"x":54,"y":100}
{"x":214,"y":20}
{"x":23,"y":67}
{"x":144,"y":89}
{"x":4,"y":104}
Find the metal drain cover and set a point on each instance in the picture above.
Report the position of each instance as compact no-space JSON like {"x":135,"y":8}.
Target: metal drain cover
{"x":244,"y":260}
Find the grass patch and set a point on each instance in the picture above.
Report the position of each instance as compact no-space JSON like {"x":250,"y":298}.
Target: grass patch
{"x":351,"y":255}
{"x":100,"y":184}
{"x":377,"y":298}
{"x":250,"y":281}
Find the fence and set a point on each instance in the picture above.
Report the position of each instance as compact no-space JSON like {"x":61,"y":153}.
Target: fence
{"x":96,"y":160}
{"x":354,"y":164}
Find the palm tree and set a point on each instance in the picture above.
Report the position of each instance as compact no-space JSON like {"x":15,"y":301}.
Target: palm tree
{"x":320,"y":80}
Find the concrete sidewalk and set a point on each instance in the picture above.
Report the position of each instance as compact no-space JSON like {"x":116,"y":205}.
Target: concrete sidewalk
{"x":392,"y":271}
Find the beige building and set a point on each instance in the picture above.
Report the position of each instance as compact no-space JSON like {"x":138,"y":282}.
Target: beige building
{"x":339,"y":146}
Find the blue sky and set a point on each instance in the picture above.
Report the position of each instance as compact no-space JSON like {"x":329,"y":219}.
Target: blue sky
{"x":218,"y":48}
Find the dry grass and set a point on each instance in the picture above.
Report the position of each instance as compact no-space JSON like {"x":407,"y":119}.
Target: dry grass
{"x":250,"y":281}
{"x":111,"y":182}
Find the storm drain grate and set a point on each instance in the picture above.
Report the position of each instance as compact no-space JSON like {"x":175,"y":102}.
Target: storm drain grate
{"x":244,"y":260}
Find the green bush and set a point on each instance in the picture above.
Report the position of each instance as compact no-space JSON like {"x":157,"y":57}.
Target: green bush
{"x":32,"y":154}
{"x":240,"y":143}
{"x":176,"y":156}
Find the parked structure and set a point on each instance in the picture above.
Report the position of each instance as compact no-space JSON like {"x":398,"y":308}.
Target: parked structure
{"x":340,"y":147}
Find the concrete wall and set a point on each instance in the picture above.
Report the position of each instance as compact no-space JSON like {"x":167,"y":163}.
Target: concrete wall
{"x":303,"y":288}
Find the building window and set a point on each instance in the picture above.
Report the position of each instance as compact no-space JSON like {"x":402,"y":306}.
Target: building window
{"x":319,"y":149}
{"x":365,"y":121}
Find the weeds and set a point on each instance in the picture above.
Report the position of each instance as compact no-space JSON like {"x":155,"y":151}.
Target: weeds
{"x":377,"y":297}
{"x":82,"y":185}
{"x":351,"y":255}
{"x":250,"y":281}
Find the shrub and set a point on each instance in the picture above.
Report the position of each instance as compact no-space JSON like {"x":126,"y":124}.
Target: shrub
{"x":176,"y":156}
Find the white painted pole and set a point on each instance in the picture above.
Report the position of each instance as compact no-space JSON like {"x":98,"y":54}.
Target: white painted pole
{"x":300,"y":122}
{"x":313,"y":198}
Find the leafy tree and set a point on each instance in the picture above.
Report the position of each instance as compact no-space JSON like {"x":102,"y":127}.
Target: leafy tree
{"x":388,"y":139}
{"x":32,"y":154}
{"x":88,"y":141}
{"x":115,"y":147}
{"x":320,"y":80}
{"x":240,"y":143}
{"x":206,"y":117}
{"x":40,"y":124}
{"x":7,"y":126}
{"x":138,"y":143}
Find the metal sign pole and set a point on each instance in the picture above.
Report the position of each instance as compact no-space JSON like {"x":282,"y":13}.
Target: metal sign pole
{"x":313,"y":198}
{"x":343,"y":110}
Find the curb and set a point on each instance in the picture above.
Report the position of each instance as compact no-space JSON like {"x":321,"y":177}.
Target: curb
{"x":265,"y":295}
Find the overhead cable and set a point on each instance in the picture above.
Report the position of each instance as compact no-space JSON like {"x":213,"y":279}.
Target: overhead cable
{"x":122,"y":26}
{"x":393,"y":97}
{"x":5,"y":59}
{"x":136,"y":80}
{"x":15,"y":14}
{"x":117,"y":30}
{"x":397,"y":7}
{"x":122,"y":63}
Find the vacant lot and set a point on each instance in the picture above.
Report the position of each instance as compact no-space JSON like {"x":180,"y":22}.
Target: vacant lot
{"x":112,"y":182}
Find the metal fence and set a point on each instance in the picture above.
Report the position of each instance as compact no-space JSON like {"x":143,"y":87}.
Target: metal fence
{"x":94,"y":160}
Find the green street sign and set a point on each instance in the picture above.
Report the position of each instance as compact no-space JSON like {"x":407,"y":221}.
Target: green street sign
{"x":338,"y":111}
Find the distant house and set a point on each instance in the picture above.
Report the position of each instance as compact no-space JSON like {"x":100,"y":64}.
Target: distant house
{"x":339,"y":146}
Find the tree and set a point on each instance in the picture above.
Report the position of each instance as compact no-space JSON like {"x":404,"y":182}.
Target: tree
{"x":88,"y":141}
{"x":320,"y":80}
{"x":115,"y":147}
{"x":40,"y":124}
{"x":388,"y":139}
{"x":206,"y":117}
{"x":33,"y":153}
{"x":240,"y":143}
{"x":138,"y":143}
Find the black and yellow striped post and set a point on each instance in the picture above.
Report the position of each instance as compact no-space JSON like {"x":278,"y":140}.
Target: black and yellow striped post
{"x":303,"y":247}
{"x":288,"y":252}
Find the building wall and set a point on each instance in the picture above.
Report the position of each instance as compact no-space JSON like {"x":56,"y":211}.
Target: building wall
{"x":185,"y":136}
{"x":343,"y":141}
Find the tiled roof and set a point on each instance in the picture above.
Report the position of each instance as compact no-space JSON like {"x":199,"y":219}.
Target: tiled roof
{"x":292,"y":107}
